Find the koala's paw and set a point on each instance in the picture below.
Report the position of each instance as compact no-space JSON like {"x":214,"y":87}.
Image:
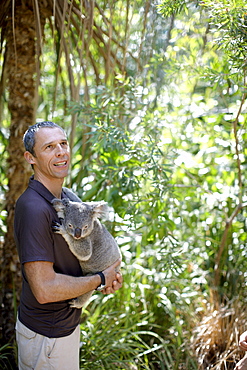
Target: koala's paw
{"x":75,"y":303}
{"x":56,"y":227}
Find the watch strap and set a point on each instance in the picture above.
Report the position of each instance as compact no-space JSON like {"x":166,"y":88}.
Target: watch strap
{"x":102,"y":276}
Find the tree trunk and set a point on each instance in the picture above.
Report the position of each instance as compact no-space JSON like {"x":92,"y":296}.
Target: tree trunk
{"x":21,"y":70}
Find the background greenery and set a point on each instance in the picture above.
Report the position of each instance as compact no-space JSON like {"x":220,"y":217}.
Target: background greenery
{"x":156,"y":115}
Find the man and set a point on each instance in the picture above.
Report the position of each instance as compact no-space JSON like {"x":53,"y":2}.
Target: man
{"x":47,"y":328}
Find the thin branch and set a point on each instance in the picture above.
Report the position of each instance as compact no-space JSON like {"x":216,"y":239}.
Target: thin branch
{"x":13,"y":27}
{"x":39,"y":50}
{"x":235,"y":123}
{"x":61,"y":26}
{"x":3,"y":82}
{"x":146,"y":12}
{"x":38,"y":27}
{"x":229,"y":221}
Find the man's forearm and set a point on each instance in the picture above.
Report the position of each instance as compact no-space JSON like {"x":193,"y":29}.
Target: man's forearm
{"x":48,"y":286}
{"x":65,"y":287}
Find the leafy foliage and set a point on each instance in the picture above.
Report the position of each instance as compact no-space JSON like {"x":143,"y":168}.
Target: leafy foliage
{"x":201,"y":132}
{"x":6,"y":359}
{"x":161,"y":137}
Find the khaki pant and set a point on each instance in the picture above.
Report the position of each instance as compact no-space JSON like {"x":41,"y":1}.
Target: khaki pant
{"x":42,"y":353}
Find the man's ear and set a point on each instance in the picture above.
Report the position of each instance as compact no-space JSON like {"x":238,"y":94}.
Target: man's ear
{"x":29,"y":157}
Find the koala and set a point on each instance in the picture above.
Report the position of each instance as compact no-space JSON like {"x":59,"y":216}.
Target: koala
{"x":87,"y":238}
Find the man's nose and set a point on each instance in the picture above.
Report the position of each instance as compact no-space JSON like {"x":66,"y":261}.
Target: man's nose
{"x":60,"y":150}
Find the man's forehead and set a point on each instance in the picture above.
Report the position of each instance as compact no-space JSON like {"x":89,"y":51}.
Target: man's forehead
{"x":46,"y":135}
{"x":50,"y":132}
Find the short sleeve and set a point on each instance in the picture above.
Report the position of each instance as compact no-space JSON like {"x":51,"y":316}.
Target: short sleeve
{"x":33,"y":233}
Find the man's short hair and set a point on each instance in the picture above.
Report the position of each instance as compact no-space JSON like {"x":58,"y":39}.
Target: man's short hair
{"x":29,"y":136}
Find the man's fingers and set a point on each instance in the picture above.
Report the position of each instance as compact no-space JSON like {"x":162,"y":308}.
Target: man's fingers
{"x":108,"y":290}
{"x":119,"y":278}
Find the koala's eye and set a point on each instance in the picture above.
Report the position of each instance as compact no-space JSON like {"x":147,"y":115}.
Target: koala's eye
{"x":70,"y":226}
{"x":85,"y":227}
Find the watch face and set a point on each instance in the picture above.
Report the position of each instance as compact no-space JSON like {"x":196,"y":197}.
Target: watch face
{"x":101,"y":287}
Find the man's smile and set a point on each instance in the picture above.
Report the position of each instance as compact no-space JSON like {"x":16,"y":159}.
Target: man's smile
{"x":64,"y":163}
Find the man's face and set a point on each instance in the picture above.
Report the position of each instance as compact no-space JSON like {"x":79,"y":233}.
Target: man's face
{"x":52,"y":155}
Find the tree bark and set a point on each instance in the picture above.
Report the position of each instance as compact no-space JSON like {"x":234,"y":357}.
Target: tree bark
{"x":21,"y":71}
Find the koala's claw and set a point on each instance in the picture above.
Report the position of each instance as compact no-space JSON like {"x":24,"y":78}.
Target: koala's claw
{"x":75,"y":304}
{"x":55,"y":226}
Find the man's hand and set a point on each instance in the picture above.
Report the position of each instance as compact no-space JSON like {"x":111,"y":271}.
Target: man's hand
{"x":114,"y":280}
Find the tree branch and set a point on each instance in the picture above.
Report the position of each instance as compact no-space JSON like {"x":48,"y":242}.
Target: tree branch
{"x":229,"y":221}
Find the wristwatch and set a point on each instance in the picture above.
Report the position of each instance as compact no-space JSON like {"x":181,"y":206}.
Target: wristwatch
{"x":102,"y":285}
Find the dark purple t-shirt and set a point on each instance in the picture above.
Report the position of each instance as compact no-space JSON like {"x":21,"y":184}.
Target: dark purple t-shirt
{"x":36,"y":241}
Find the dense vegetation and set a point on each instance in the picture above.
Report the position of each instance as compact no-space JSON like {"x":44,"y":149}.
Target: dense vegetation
{"x":158,"y":131}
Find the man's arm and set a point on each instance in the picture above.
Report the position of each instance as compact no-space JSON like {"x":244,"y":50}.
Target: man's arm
{"x":49,"y":286}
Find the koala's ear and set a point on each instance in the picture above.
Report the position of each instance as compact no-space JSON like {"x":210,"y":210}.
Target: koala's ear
{"x":65,"y":202}
{"x":59,"y":207}
{"x":100,"y":209}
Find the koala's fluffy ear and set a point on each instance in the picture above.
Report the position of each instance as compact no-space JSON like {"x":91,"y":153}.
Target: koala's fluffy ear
{"x":99,"y":209}
{"x":59,"y":207}
{"x":65,"y":201}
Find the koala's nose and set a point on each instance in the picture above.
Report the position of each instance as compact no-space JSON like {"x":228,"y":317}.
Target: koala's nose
{"x":77,"y":233}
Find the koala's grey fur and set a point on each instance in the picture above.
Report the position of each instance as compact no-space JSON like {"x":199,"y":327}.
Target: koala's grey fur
{"x":87,"y":238}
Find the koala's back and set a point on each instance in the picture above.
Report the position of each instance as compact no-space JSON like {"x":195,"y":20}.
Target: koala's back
{"x":105,"y":250}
